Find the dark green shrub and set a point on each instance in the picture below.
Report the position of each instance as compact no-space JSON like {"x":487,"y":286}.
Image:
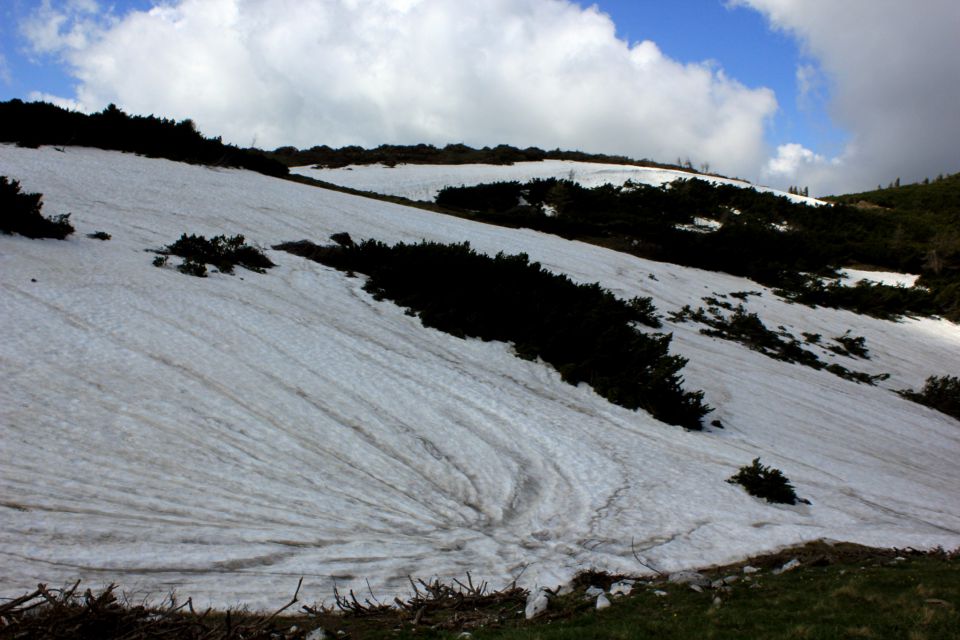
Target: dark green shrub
{"x":765,"y":482}
{"x":853,"y":346}
{"x":583,"y":331}
{"x":939,"y":392}
{"x":20,"y":213}
{"x":220,"y":251}
{"x":99,"y":235}
{"x":161,"y":261}
{"x":193,"y":268}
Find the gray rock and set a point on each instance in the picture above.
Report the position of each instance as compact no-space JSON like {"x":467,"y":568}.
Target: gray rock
{"x":537,"y":603}
{"x":790,"y":566}
{"x":622,"y":588}
{"x":602,"y":601}
{"x":689,"y":577}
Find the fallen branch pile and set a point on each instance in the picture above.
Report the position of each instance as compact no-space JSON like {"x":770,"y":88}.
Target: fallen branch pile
{"x":56,"y":614}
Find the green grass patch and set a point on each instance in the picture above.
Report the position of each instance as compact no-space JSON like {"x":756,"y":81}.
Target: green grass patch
{"x":838,"y":591}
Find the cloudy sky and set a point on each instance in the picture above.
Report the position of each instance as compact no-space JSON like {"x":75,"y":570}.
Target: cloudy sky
{"x":837,"y":95}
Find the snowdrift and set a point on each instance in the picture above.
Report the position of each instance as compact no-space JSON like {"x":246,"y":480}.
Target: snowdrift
{"x":425,"y":181}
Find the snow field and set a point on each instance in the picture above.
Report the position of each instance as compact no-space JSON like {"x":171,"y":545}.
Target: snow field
{"x":224,"y":436}
{"x":425,"y":181}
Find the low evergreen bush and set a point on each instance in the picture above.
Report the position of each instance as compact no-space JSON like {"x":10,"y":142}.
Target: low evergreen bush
{"x":939,"y":392}
{"x":582,"y":330}
{"x":765,"y":482}
{"x":20,"y":213}
{"x":220,"y":251}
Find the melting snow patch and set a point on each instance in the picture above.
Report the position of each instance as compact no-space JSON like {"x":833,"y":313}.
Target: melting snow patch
{"x":851,"y":277}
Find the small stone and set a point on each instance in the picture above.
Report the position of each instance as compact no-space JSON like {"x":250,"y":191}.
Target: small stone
{"x":748,"y":570}
{"x":790,"y":566}
{"x":622,"y":588}
{"x":730,"y":579}
{"x":317,"y":634}
{"x":697,"y":588}
{"x":660,"y":594}
{"x":602,"y":601}
{"x":465,"y":635}
{"x":717,"y":601}
{"x":689,"y":577}
{"x":537,"y":603}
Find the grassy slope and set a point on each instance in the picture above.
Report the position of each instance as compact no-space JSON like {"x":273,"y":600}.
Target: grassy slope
{"x":839,"y":591}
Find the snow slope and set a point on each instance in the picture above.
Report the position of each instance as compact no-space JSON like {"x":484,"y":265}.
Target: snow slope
{"x":225,"y":436}
{"x":424,"y":181}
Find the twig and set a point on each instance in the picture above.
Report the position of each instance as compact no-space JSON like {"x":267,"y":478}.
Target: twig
{"x":637,"y":556}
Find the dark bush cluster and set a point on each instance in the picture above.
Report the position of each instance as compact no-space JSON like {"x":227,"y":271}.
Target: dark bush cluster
{"x":391,"y":154}
{"x":766,"y":482}
{"x":20,"y":213}
{"x":748,"y":329}
{"x":763,"y":236}
{"x":939,"y":392}
{"x":222,"y":252}
{"x":584,"y":331}
{"x":39,"y":123}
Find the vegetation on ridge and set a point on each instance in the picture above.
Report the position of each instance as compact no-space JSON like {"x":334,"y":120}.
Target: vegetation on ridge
{"x":451,"y":154}
{"x":40,"y":123}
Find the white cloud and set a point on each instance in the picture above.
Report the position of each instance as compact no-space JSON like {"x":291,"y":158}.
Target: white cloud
{"x":70,"y":25}
{"x":808,"y":82}
{"x":65,"y":103}
{"x":305,"y":72}
{"x":798,"y":166}
{"x":892,"y":68}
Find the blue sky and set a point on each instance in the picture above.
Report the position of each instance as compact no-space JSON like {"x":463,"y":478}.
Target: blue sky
{"x":738,"y":40}
{"x":741,"y":42}
{"x":835,"y":95}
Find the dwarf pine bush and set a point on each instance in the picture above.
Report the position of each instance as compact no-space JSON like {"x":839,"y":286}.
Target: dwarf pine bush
{"x":765,"y":482}
{"x":220,"y":251}
{"x":582,"y":330}
{"x":20,"y":213}
{"x":939,"y":392}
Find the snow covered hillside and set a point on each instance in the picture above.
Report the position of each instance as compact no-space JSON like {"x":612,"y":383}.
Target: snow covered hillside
{"x":424,"y":181}
{"x":225,"y":436}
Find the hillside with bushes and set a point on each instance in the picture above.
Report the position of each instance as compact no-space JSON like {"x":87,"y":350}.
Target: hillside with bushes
{"x":762,"y":236}
{"x":31,"y":124}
